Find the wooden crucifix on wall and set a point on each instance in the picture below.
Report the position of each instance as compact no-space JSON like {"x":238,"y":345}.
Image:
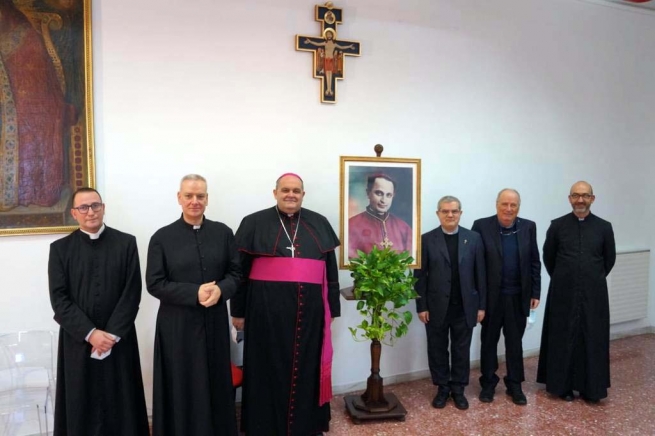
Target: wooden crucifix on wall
{"x":329,"y":52}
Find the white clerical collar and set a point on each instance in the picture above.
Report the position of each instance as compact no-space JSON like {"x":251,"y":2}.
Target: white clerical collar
{"x":454,"y":232}
{"x":582,"y":218}
{"x":196,"y":226}
{"x":95,"y":235}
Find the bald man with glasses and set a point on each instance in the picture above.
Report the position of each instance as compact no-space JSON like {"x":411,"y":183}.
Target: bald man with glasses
{"x":579,"y":253}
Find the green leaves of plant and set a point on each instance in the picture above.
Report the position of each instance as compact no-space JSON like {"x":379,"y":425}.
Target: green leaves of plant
{"x":383,"y":284}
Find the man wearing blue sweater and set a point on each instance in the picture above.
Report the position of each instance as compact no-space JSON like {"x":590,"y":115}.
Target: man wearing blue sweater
{"x":513,"y":288}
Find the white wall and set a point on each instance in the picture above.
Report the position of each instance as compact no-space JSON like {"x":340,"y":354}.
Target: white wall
{"x":526,"y":94}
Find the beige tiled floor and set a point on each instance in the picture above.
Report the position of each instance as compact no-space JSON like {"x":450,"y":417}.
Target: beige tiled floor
{"x":629,"y":409}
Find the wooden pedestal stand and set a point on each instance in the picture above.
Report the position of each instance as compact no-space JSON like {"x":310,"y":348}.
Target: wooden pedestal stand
{"x":374,"y":403}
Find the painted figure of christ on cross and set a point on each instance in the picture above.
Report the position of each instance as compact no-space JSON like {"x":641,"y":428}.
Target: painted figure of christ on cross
{"x":328,"y":51}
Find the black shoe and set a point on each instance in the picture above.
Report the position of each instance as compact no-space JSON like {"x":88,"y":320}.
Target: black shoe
{"x":439,"y":400}
{"x":487,"y":394}
{"x":518,"y":397}
{"x":460,"y":401}
{"x":567,"y":396}
{"x":589,"y":400}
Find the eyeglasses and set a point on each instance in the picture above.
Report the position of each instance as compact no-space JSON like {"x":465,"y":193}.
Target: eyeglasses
{"x":577,"y":196}
{"x":448,"y":212}
{"x":84,"y":209}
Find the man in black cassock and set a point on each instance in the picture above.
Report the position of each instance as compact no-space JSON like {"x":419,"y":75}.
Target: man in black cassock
{"x":95,"y":290}
{"x":287,"y":299}
{"x":579,"y":253}
{"x":193,"y":269}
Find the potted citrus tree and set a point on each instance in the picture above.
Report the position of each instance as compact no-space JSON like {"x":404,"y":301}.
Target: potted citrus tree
{"x":383,"y":285}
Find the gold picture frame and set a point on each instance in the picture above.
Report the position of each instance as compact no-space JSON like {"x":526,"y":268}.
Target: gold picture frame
{"x":46,"y":113}
{"x":380,"y":204}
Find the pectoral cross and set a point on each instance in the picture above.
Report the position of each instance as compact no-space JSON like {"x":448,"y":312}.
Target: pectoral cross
{"x":386,"y":243}
{"x":329,"y":53}
{"x":293,"y":250}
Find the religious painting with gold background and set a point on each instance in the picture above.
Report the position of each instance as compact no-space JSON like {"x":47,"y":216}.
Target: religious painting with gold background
{"x":46,"y":113}
{"x":380,"y":206}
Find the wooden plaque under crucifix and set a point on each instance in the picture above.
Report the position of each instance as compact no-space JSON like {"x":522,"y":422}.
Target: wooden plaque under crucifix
{"x":329,"y":52}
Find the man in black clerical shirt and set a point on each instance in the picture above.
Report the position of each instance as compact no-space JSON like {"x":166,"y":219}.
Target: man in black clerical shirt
{"x":513,"y":288}
{"x":579,"y":253}
{"x":193,"y":269}
{"x":95,"y":290}
{"x":452,"y":293}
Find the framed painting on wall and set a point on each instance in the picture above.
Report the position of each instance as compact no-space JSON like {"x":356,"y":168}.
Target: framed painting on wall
{"x":380,"y":205}
{"x":46,"y":113}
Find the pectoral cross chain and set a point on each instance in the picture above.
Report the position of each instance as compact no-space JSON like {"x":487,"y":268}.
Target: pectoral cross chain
{"x":291,"y":241}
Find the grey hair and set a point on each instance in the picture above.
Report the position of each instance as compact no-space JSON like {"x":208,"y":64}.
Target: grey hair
{"x":193,"y":177}
{"x":508,"y":190}
{"x":449,"y":199}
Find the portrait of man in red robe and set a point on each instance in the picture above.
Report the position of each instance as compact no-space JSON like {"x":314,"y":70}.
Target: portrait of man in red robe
{"x":380,"y":208}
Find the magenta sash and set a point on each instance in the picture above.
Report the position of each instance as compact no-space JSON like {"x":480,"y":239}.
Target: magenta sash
{"x":294,"y":269}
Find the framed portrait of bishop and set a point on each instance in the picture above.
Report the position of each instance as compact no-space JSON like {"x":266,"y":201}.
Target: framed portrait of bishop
{"x":380,"y":206}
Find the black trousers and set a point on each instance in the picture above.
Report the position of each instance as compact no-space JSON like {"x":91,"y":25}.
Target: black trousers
{"x":451,"y":375}
{"x":509,"y":318}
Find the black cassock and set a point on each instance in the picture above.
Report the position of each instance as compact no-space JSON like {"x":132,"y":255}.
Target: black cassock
{"x":97,"y":284}
{"x":574,"y":355}
{"x":192,"y":388}
{"x":284,"y":325}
